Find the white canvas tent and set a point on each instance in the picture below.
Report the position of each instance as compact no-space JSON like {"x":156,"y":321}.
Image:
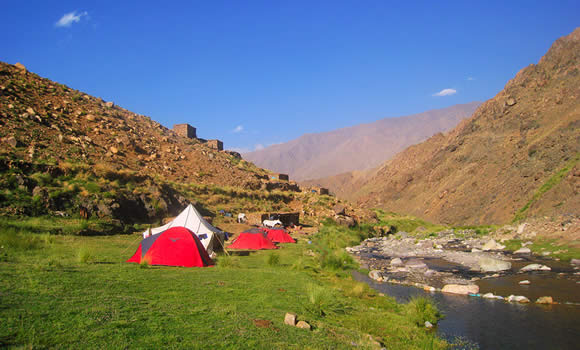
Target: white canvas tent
{"x":191,"y":219}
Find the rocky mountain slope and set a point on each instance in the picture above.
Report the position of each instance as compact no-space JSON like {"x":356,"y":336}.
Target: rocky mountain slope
{"x":359,"y":147}
{"x":65,"y":153}
{"x":43,"y":121}
{"x":516,"y":157}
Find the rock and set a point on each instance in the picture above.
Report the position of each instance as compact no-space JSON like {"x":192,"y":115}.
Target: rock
{"x":428,"y":324}
{"x":518,"y":299}
{"x":535,"y":267}
{"x":488,"y":296}
{"x":303,"y":325}
{"x":545,"y":300}
{"x":30,"y":111}
{"x":90,"y":117}
{"x":110,"y":104}
{"x":344,"y":220}
{"x":487,"y":264}
{"x":521,"y":228}
{"x":290,"y":319}
{"x":339,"y":209}
{"x":20,"y":67}
{"x":114,"y":150}
{"x":416,"y":264}
{"x":475,"y":250}
{"x":397,"y":262}
{"x":523,"y":250}
{"x":430,"y":273}
{"x":510,"y":101}
{"x":11,"y":140}
{"x":429,"y":289}
{"x":492,"y":245}
{"x":524,"y":282}
{"x":376,"y":275}
{"x":575,"y":262}
{"x":460,"y":289}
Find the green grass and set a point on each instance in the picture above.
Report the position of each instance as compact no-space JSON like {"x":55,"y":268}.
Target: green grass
{"x":545,"y":187}
{"x":406,"y":223}
{"x":558,"y":250}
{"x":51,"y":298}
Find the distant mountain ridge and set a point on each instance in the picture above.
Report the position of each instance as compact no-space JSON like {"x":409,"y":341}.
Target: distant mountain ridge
{"x":516,"y":157}
{"x":359,"y":147}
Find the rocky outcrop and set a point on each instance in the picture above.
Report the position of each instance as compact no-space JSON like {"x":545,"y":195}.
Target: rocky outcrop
{"x":460,"y":289}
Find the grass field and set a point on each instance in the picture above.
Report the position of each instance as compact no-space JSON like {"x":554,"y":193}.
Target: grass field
{"x":67,"y":291}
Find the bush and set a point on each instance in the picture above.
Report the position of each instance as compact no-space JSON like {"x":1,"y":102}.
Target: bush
{"x":85,"y":255}
{"x":227,"y":261}
{"x":273,"y":259}
{"x":422,"y":309}
{"x":321,"y":301}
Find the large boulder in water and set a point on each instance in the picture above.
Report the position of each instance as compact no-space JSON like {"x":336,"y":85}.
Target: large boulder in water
{"x":461,"y":289}
{"x":492,"y":245}
{"x":487,"y":264}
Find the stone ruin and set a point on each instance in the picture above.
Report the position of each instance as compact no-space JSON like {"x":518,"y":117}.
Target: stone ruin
{"x":185,"y":130}
{"x":215,"y":144}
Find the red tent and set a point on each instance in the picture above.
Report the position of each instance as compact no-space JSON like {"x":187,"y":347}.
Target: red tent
{"x":279,"y":235}
{"x":252,"y":240}
{"x":176,"y":246}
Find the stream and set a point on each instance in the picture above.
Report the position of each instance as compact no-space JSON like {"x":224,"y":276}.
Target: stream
{"x":477,"y":323}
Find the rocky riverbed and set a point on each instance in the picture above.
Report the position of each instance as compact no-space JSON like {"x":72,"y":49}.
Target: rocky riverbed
{"x":454,"y":262}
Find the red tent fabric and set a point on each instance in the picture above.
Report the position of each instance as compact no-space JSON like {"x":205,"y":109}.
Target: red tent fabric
{"x":279,"y":235}
{"x":254,"y":241}
{"x":176,"y":246}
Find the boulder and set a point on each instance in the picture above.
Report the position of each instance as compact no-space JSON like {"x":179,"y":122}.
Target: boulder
{"x":376,"y":275}
{"x":545,"y":300}
{"x":524,"y":282}
{"x":535,"y":267}
{"x":30,"y":111}
{"x":521,"y":228}
{"x":518,"y":299}
{"x":463,"y":289}
{"x":110,"y":104}
{"x":523,"y":250}
{"x":487,"y":264}
{"x":575,"y":262}
{"x":290,"y":319}
{"x":428,"y":324}
{"x":415,"y":264}
{"x":10,"y":140}
{"x":397,"y":262}
{"x":492,"y":245}
{"x":510,"y":101}
{"x":339,"y":209}
{"x":303,"y":325}
{"x":488,"y":296}
{"x":20,"y":67}
{"x":344,"y":220}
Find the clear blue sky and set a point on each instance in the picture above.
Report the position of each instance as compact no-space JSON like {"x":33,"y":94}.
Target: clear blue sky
{"x":262,"y":72}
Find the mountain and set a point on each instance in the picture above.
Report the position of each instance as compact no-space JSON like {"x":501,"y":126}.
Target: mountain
{"x":359,"y":147}
{"x":516,"y":157}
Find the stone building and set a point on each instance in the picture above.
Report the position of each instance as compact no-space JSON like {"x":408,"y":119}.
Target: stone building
{"x":215,"y":144}
{"x":185,"y":130}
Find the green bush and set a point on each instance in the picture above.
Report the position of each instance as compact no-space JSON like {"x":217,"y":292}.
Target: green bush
{"x":421,"y":309}
{"x":85,"y":255}
{"x":273,"y":259}
{"x":321,"y":301}
{"x":227,"y":261}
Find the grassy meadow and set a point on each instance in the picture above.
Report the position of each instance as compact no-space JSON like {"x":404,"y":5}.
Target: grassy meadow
{"x":70,"y":291}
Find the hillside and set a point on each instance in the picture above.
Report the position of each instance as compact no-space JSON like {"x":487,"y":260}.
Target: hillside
{"x":63,"y":152}
{"x":359,"y":147}
{"x":516,"y":157}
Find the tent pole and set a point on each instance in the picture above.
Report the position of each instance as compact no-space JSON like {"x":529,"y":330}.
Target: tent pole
{"x":224,"y":248}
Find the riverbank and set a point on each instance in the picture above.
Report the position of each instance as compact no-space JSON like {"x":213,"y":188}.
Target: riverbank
{"x":467,"y":262}
{"x":69,"y":291}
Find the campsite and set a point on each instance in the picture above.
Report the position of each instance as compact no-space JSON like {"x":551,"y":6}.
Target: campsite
{"x":290,"y":175}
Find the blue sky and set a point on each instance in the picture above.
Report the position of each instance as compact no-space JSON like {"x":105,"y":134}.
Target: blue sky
{"x":255,"y":73}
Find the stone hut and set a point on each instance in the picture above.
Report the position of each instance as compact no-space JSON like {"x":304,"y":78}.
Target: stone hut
{"x":215,"y":144}
{"x":283,"y":177}
{"x":185,"y":130}
{"x":323,"y":190}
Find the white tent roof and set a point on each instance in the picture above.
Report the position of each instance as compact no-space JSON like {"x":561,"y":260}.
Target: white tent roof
{"x":191,"y":219}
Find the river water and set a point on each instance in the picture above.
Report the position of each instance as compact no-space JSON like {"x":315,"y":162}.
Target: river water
{"x":477,"y":323}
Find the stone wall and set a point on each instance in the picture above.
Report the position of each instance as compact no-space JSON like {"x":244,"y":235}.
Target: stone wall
{"x":216,"y":144}
{"x":185,"y":130}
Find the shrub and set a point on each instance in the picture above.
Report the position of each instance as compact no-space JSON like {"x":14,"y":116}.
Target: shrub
{"x":321,"y":301}
{"x":85,"y":255}
{"x":227,"y":261}
{"x":273,"y":259}
{"x":421,"y":309}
